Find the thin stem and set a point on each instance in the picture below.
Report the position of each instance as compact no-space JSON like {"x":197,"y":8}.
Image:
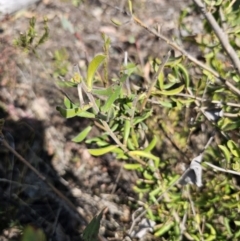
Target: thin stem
{"x":223,"y":38}
{"x":155,"y":78}
{"x":184,"y":53}
{"x":222,"y":169}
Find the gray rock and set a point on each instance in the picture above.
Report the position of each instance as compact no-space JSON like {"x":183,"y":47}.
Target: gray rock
{"x":11,"y":6}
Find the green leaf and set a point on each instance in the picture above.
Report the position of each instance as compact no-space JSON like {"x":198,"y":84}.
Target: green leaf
{"x":147,"y":175}
{"x":141,"y":118}
{"x":108,"y":104}
{"x":227,"y":225}
{"x":169,"y":85}
{"x":68,"y":104}
{"x":92,"y":68}
{"x":122,"y":156}
{"x":130,"y":6}
{"x":226,"y":152}
{"x":66,"y":84}
{"x":174,"y":61}
{"x":126,"y":131}
{"x":101,"y":151}
{"x":143,"y":154}
{"x":161,"y":80}
{"x":90,"y":233}
{"x":212,"y":230}
{"x":82,"y":135}
{"x":116,"y":22}
{"x":165,"y":228}
{"x":237,"y":223}
{"x":69,"y":113}
{"x":86,"y":114}
{"x":103,"y":92}
{"x":31,"y":233}
{"x":170,"y":92}
{"x":151,"y":145}
{"x":99,"y":141}
{"x":184,"y":71}
{"x":129,"y":69}
{"x":133,"y":166}
{"x":167,"y":104}
{"x":229,"y":125}
{"x":234,"y":149}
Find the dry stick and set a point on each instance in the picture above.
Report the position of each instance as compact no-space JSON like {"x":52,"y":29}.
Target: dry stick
{"x":124,"y":148}
{"x":127,"y":80}
{"x":135,"y":220}
{"x":202,"y":100}
{"x":213,"y":101}
{"x":194,"y":213}
{"x":222,"y":169}
{"x":43,"y":178}
{"x":223,"y":38}
{"x":184,"y":53}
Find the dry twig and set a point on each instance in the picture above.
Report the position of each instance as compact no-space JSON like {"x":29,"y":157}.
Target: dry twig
{"x":223,"y":38}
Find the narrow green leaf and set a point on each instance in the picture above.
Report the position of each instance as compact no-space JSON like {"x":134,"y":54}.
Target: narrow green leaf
{"x":66,"y":84}
{"x":161,"y":80}
{"x":97,"y":140}
{"x":170,"y":92}
{"x":165,"y":228}
{"x":103,"y":92}
{"x":115,"y":94}
{"x":122,"y":156}
{"x":226,"y":222}
{"x":151,"y":145}
{"x":143,"y":154}
{"x":237,"y":223}
{"x":212,"y":230}
{"x":116,"y":22}
{"x":82,"y":135}
{"x":126,"y":131}
{"x":86,"y":114}
{"x":133,"y":166}
{"x":101,"y":151}
{"x":168,"y":85}
{"x":185,"y":74}
{"x":90,"y":233}
{"x":31,"y":233}
{"x":228,"y":124}
{"x":130,"y":6}
{"x":226,"y":152}
{"x":69,"y":113}
{"x":143,"y":117}
{"x":148,"y":175}
{"x":130,"y":145}
{"x":234,"y":149}
{"x":129,"y":69}
{"x":134,"y":138}
{"x":92,"y":68}
{"x":68,"y":104}
{"x":174,"y":61}
{"x":167,"y":104}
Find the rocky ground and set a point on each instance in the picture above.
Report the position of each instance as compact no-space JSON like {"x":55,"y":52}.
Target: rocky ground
{"x":28,"y":101}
